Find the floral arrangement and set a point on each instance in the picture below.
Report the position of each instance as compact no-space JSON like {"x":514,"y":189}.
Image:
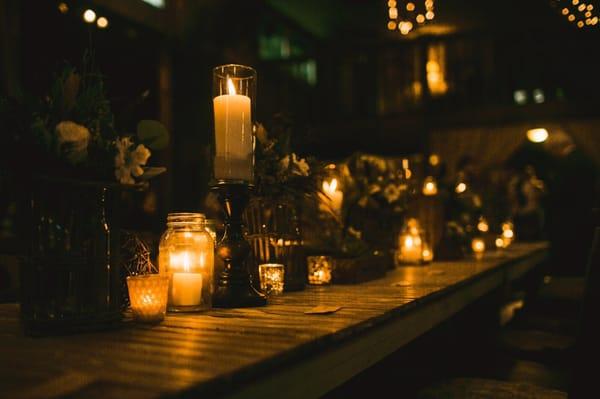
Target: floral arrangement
{"x":70,"y":132}
{"x":374,"y":196}
{"x":280,"y":173}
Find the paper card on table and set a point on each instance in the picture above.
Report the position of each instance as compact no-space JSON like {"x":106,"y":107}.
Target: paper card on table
{"x":323,"y":309}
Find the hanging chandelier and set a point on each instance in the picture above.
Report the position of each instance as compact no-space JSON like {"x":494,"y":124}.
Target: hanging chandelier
{"x":581,"y":14}
{"x":406,"y":16}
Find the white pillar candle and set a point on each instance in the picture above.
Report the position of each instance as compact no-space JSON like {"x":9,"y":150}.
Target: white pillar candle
{"x":233,"y":133}
{"x":335,"y":197}
{"x":186,"y":289}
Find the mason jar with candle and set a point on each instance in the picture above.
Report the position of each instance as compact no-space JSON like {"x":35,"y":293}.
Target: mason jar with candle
{"x":186,"y":255}
{"x":234,"y":92}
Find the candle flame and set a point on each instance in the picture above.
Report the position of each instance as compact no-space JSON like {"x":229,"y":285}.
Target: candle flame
{"x":408,"y":242}
{"x":330,"y":188}
{"x":230,"y":87}
{"x":186,"y":262}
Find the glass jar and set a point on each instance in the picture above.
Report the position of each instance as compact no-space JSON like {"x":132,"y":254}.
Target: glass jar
{"x":186,"y":255}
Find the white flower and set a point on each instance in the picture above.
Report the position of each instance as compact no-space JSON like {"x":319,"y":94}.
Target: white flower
{"x":73,"y":139}
{"x":261,"y":134}
{"x":299,"y":165}
{"x":128,"y":163}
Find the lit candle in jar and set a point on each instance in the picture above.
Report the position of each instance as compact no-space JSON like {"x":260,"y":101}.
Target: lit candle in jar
{"x":499,"y":243}
{"x":335,"y":197}
{"x":411,"y":248}
{"x":430,"y":187}
{"x":319,"y":269}
{"x":483,"y":225}
{"x":427,"y":254}
{"x":186,"y":286}
{"x":508,"y":236}
{"x":272,"y":277}
{"x":232,"y":106}
{"x":478,"y":247}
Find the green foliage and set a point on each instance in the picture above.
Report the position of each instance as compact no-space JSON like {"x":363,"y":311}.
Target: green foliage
{"x":153,"y":134}
{"x":70,"y":131}
{"x":279,"y":172}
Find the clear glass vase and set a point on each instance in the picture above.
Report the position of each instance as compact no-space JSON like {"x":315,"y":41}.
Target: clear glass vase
{"x":186,"y":255}
{"x":274,"y":235}
{"x":71,"y":281}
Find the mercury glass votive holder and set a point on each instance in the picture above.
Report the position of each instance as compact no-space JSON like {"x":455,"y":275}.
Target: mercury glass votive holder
{"x":319,"y":269}
{"x":148,"y":297}
{"x":271,"y":278}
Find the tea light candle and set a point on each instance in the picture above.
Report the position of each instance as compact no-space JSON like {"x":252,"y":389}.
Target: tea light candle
{"x":148,"y":296}
{"x":478,"y":247}
{"x":233,"y":132}
{"x":499,"y":242}
{"x":335,"y":197}
{"x":508,"y":236}
{"x":483,"y":225}
{"x":272,"y":277}
{"x":430,"y":187}
{"x":319,"y":270}
{"x":427,"y":254}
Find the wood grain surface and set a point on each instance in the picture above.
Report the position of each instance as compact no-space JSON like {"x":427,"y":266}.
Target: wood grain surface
{"x":259,"y":351}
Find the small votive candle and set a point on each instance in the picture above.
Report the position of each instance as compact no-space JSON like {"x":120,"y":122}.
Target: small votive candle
{"x":427,"y":254}
{"x":478,"y":247}
{"x":271,"y":278}
{"x":148,"y":296}
{"x":499,"y":242}
{"x":319,"y":269}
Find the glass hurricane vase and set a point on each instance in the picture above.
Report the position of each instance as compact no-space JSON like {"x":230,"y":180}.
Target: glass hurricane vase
{"x":274,"y":235}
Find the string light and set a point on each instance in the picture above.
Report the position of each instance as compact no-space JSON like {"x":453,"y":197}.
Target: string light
{"x":63,"y":8}
{"x":405,"y":15}
{"x":89,"y":16}
{"x":102,"y":23}
{"x":579,"y":13}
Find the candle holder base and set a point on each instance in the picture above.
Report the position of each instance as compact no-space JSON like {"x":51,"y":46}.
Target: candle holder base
{"x":234,"y":288}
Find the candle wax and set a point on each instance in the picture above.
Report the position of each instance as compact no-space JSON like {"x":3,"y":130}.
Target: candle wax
{"x":186,"y":289}
{"x":233,"y":133}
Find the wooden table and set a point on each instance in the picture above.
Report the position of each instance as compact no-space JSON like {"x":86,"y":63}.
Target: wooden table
{"x":257,"y":353}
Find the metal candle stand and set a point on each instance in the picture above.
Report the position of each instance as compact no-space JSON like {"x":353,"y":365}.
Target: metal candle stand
{"x":234,"y":288}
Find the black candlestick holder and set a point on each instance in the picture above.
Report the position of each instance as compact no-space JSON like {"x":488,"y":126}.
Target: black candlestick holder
{"x":234,"y":288}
